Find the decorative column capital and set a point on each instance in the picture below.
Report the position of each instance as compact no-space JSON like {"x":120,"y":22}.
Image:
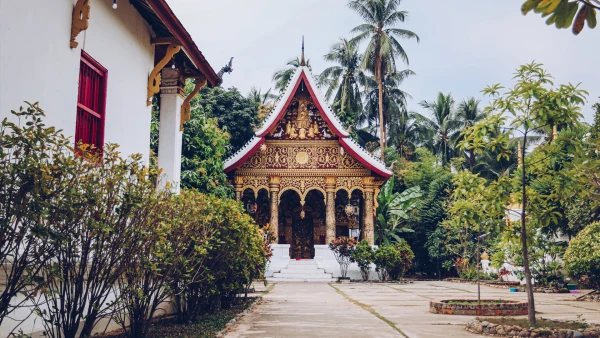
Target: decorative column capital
{"x":274,"y":182}
{"x":330,"y":182}
{"x":172,"y":82}
{"x":368,"y":184}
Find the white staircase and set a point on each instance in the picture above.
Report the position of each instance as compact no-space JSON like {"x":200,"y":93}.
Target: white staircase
{"x":302,"y":271}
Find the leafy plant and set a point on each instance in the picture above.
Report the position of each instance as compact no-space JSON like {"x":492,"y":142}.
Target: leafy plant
{"x":342,"y":248}
{"x":565,"y":13}
{"x":32,"y":180}
{"x":582,"y":257}
{"x":393,"y":211}
{"x":393,"y":261}
{"x":363,"y":255}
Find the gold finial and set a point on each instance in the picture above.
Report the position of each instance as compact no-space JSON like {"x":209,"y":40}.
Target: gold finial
{"x":302,"y":61}
{"x":554,"y":132}
{"x":484,"y":256}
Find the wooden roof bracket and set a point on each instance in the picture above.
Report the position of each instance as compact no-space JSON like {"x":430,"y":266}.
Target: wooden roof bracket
{"x":186,"y":108}
{"x":80,"y":20}
{"x":154,"y":78}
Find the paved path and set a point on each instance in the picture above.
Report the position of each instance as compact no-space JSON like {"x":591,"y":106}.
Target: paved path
{"x":383,"y":310}
{"x":310,"y":310}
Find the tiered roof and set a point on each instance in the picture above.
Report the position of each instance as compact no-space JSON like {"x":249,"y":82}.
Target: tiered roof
{"x":303,"y":74}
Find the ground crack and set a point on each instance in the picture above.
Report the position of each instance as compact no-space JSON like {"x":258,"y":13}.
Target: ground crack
{"x":370,"y":310}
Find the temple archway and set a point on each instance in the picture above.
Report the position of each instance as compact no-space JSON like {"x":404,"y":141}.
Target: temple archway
{"x":302,"y":226}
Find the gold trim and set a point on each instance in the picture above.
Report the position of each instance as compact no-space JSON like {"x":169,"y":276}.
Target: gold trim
{"x":303,"y":143}
{"x":186,"y":109}
{"x":154,"y":78}
{"x":304,"y":172}
{"x":80,"y":20}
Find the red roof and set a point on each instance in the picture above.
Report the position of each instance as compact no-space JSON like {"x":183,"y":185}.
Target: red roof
{"x":303,"y":75}
{"x":172,"y":23}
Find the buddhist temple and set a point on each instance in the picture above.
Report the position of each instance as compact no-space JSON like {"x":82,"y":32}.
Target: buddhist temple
{"x":303,"y":174}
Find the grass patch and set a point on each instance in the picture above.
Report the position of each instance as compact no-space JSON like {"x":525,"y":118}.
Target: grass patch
{"x":206,"y":326}
{"x":524,"y":323}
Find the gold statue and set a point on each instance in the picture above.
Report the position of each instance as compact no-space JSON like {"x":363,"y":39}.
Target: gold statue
{"x":302,"y":120}
{"x":293,"y":133}
{"x":288,"y":127}
{"x":316,"y":128}
{"x":302,"y":133}
{"x":311,"y":132}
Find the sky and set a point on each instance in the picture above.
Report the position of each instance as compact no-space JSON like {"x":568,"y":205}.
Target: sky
{"x":465,"y":44}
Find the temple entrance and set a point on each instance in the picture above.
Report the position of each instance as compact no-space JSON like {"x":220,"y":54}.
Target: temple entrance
{"x":302,"y":226}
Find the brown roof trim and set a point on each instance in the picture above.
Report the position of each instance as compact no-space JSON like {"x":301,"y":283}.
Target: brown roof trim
{"x":166,"y":15}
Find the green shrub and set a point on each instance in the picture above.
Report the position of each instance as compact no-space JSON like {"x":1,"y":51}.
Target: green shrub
{"x":583,"y":255}
{"x":363,"y":255}
{"x":393,"y":261}
{"x":342,"y":248}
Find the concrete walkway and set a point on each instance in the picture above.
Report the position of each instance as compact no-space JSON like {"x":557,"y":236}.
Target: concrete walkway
{"x":383,"y":310}
{"x":310,"y":310}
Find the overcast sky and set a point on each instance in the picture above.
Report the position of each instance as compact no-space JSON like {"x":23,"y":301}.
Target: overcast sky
{"x":465,"y":44}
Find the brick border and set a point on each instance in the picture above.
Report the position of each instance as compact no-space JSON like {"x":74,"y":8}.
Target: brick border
{"x":508,"y":307}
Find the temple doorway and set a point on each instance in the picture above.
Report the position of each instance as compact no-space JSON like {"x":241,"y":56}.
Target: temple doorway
{"x":302,"y":226}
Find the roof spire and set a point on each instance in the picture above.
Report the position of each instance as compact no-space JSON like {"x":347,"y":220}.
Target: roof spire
{"x":302,"y":61}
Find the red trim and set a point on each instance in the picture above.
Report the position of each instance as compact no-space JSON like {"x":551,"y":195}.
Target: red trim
{"x":362,"y":160}
{"x":166,"y":15}
{"x":101,"y":94}
{"x":246,"y":156}
{"x":342,"y":139}
{"x":304,"y":78}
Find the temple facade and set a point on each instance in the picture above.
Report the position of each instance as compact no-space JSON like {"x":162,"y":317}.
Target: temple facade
{"x":303,"y":175}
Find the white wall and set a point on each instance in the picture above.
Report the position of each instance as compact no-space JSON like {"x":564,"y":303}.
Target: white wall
{"x":37,"y":64}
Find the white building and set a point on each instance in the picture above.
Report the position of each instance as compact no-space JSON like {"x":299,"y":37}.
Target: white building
{"x":92,"y":65}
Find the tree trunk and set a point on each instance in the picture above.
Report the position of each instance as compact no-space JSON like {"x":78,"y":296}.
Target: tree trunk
{"x":524,"y":250}
{"x":471,"y":159}
{"x":381,"y":124}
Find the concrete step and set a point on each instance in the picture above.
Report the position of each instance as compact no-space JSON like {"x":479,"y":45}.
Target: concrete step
{"x":302,"y":276}
{"x":302,"y":271}
{"x":303,"y":262}
{"x":296,"y":280}
{"x":302,"y":267}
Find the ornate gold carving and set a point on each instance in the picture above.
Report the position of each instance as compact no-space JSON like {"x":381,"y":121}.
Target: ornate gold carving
{"x":368,"y":181}
{"x":301,"y":157}
{"x":349,"y":184}
{"x":80,"y":19}
{"x":186,"y":109}
{"x":238,"y":180}
{"x":302,"y":121}
{"x":330,"y":180}
{"x":154,"y":78}
{"x":275,"y":180}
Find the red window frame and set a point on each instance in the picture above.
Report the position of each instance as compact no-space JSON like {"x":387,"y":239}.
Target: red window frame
{"x":91,"y":102}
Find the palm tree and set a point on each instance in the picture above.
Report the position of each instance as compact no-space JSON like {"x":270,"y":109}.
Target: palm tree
{"x":383,"y":48}
{"x":406,"y":132}
{"x":283,"y":76}
{"x":343,"y":80}
{"x":393,"y":100}
{"x":393,"y":211}
{"x":468,"y":114}
{"x":264,"y":101}
{"x":443,"y":126}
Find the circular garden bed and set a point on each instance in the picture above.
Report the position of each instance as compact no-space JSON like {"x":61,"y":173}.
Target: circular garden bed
{"x":488,"y":307}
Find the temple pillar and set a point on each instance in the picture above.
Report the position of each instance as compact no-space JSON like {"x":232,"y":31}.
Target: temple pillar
{"x":330,"y":182}
{"x":238,"y":182}
{"x":274,"y":182}
{"x":169,"y":151}
{"x":369,"y":225}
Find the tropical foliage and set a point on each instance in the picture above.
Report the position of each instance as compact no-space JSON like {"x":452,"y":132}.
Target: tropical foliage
{"x":393,"y":211}
{"x":564,"y":13}
{"x":89,"y":237}
{"x":582,"y":258}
